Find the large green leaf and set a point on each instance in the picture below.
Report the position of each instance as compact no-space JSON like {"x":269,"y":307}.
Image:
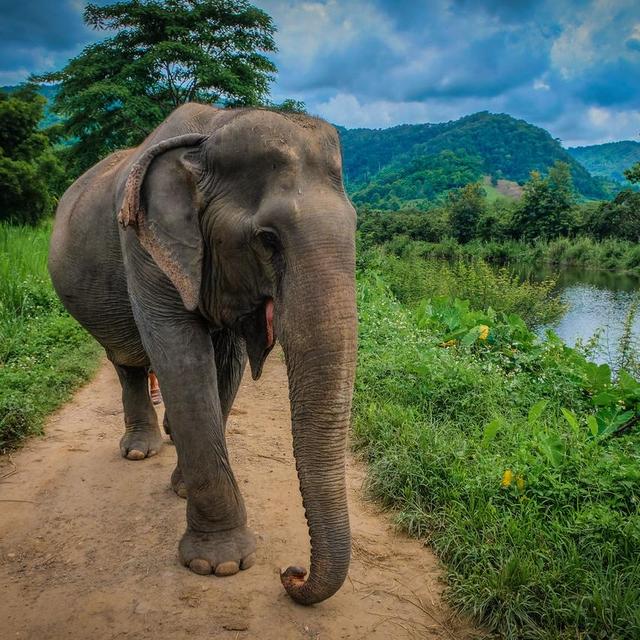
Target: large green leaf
{"x":536,"y":411}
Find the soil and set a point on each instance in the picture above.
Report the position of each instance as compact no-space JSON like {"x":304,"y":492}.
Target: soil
{"x":88,"y":540}
{"x":510,"y":189}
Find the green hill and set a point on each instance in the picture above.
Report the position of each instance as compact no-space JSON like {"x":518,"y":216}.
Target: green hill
{"x":608,"y":160}
{"x":416,"y":163}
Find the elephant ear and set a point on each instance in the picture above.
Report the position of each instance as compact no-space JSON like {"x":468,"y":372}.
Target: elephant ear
{"x":161,"y":202}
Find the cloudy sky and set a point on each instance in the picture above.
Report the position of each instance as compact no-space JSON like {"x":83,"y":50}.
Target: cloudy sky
{"x":570,"y":66}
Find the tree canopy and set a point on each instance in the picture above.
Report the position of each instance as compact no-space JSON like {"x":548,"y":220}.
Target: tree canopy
{"x":30,"y":174}
{"x":466,"y":206}
{"x":162,"y":53}
{"x":632,"y":174}
{"x":546,"y":208}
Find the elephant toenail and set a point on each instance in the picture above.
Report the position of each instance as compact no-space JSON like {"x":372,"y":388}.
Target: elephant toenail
{"x":248,"y":562}
{"x":135,"y":454}
{"x":227,"y":568}
{"x":201,"y":566}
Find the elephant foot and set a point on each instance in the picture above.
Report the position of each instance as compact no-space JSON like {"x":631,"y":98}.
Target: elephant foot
{"x":140,"y":442}
{"x":177,"y":483}
{"x":223,"y":553}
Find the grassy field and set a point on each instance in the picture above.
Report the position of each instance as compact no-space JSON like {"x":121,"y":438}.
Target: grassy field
{"x":44,"y":354}
{"x":517,"y":460}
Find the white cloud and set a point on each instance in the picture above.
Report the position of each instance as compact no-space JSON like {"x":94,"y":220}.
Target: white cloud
{"x":310,"y":30}
{"x":579,"y":126}
{"x":347,"y":110}
{"x":599,"y":117}
{"x":592,"y":34}
{"x":13,"y":77}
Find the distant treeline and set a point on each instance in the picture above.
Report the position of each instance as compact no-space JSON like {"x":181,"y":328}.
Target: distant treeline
{"x":548,"y":209}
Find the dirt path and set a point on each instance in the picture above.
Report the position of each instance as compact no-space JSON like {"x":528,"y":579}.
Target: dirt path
{"x":88,"y":540}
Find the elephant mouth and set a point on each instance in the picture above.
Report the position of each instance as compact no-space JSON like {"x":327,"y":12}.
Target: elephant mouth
{"x":257,"y":330}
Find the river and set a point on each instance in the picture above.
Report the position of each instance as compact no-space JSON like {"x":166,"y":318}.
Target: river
{"x":598,"y":301}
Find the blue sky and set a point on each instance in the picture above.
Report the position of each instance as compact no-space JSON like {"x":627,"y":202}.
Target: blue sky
{"x":570,"y":66}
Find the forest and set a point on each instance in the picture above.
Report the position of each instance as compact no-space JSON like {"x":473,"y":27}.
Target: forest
{"x":408,"y":163}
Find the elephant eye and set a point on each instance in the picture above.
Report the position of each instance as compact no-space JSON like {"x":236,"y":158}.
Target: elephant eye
{"x":272,"y":246}
{"x":270,"y":240}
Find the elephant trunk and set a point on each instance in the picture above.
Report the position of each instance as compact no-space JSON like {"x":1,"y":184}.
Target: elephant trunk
{"x":318,"y":332}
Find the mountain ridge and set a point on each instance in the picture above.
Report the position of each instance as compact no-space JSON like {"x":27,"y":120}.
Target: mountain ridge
{"x":608,"y":160}
{"x":385,"y":166}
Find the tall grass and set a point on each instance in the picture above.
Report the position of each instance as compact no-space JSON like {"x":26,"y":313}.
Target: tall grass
{"x":491,"y":445}
{"x":413,"y":277}
{"x":585,"y":252}
{"x":44,"y":354}
{"x":629,"y":344}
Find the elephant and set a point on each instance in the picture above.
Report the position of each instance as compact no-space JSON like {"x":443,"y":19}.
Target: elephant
{"x":224,"y":231}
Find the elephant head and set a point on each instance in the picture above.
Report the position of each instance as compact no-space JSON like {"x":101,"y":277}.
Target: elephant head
{"x":251,"y":224}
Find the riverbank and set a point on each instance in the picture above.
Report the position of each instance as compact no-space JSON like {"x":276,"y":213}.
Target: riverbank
{"x":606,"y":255}
{"x":516,"y":460}
{"x":44,"y":354}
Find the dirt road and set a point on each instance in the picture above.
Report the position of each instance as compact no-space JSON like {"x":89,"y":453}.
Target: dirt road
{"x":88,"y":540}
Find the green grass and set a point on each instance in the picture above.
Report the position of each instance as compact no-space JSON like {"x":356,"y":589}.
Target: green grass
{"x":517,"y":460}
{"x":44,"y":354}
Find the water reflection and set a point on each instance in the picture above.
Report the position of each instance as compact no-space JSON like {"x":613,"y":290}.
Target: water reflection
{"x":598,"y":301}
{"x":604,"y":280}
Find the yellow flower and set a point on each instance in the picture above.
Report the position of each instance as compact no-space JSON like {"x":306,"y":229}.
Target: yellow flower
{"x":507,"y":478}
{"x":484,"y":332}
{"x":520,"y":482}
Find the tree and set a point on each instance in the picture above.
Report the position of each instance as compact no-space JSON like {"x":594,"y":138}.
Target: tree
{"x":30,"y":174}
{"x":633,"y":173}
{"x":547,"y":206}
{"x":164,"y":53}
{"x":619,"y":218}
{"x":494,"y":221}
{"x":466,"y":206}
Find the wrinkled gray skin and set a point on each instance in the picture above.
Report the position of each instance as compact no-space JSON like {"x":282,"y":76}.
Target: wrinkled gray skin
{"x":169,"y":255}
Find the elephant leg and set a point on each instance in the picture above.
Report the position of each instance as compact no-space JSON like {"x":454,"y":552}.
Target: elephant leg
{"x":181,"y":352}
{"x":231,"y":359}
{"x":142,"y":436}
